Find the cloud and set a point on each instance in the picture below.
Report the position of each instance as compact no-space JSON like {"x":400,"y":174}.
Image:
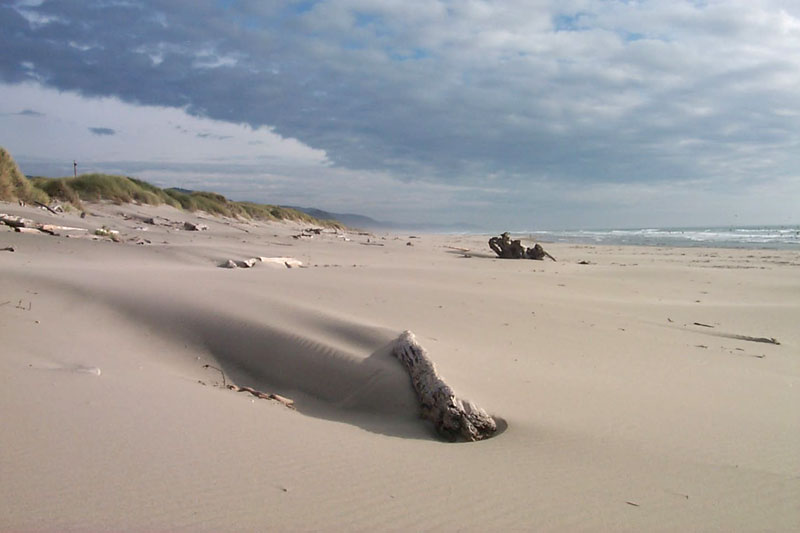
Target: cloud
{"x":30,"y":113}
{"x":516,"y":93}
{"x":102,"y":131}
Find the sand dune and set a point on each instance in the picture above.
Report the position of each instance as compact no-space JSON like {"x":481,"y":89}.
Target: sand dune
{"x":622,"y":412}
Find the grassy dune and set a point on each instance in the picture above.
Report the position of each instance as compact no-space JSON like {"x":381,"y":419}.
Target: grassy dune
{"x":122,"y":189}
{"x":13,"y":183}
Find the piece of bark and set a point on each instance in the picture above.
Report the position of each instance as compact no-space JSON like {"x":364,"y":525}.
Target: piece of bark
{"x":452,"y":417}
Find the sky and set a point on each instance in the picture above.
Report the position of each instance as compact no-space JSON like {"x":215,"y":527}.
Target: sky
{"x":507,"y":115}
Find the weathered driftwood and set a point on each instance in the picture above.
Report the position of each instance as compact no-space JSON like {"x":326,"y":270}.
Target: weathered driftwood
{"x":264,"y":395}
{"x":190,"y":226}
{"x":15,"y":222}
{"x":287,"y":262}
{"x":452,"y":417}
{"x":58,"y":209}
{"x":505,"y":248}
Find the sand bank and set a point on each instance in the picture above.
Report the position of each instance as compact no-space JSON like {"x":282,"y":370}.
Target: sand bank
{"x":632,"y":396}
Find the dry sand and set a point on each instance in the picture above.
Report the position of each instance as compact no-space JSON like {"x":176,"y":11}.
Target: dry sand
{"x":621,"y":412}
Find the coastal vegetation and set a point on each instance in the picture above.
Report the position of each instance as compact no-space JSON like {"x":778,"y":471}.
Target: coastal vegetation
{"x":73,"y":191}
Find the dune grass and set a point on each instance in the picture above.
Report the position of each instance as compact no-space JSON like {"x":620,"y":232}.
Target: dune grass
{"x":13,"y":183}
{"x":122,"y":189}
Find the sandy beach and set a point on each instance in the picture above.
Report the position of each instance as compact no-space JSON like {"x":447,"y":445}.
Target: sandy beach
{"x":637,"y":388}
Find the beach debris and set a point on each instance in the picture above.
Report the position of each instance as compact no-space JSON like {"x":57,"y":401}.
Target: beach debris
{"x":191,"y":226}
{"x":106,"y":232}
{"x":767,"y":340}
{"x":308,"y":233}
{"x":257,"y":393}
{"x":287,"y":262}
{"x":15,"y":222}
{"x":55,"y":210}
{"x":7,"y":249}
{"x":93,"y":370}
{"x":453,"y":418}
{"x":224,"y":381}
{"x":146,"y":220}
{"x":263,"y":395}
{"x":584,"y":262}
{"x":505,"y":248}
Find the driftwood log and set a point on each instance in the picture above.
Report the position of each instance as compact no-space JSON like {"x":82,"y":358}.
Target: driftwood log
{"x":453,"y":418}
{"x":505,"y":248}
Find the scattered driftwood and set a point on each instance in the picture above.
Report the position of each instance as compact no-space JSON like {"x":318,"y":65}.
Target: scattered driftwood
{"x":288,"y":262}
{"x":147,"y":220}
{"x":190,"y":226}
{"x":7,"y":249}
{"x":703,"y":325}
{"x":24,"y":225}
{"x":452,"y":417}
{"x":257,"y":393}
{"x":15,"y":222}
{"x":263,"y":395}
{"x":766,"y":340}
{"x":505,"y":248}
{"x":52,"y":210}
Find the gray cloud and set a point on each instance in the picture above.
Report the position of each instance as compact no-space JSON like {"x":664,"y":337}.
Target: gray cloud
{"x":30,"y":113}
{"x":102,"y":131}
{"x":521,"y":92}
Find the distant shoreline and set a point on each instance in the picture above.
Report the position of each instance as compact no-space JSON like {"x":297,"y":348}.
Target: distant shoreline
{"x":777,"y":237}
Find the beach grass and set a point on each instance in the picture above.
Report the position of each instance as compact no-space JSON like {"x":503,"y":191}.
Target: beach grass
{"x":96,"y":187}
{"x":13,"y":183}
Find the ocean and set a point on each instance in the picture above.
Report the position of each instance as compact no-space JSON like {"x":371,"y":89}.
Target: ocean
{"x":764,"y":237}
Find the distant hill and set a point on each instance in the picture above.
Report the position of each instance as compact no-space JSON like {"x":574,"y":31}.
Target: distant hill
{"x":367,"y":223}
{"x":348,"y":219}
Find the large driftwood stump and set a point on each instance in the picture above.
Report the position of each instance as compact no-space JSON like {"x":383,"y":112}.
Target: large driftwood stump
{"x":452,"y":417}
{"x":505,"y":248}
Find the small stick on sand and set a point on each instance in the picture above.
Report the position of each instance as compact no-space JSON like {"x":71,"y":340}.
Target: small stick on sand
{"x":453,"y":418}
{"x":224,"y":383}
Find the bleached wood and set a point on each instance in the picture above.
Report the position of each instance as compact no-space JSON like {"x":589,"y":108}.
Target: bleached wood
{"x":452,"y":417}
